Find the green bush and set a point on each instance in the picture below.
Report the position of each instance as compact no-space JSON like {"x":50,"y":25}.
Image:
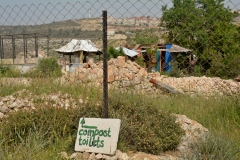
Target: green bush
{"x":53,"y":123}
{"x":143,"y":127}
{"x":140,"y":61}
{"x":47,"y":67}
{"x":215,"y":147}
{"x":6,"y":71}
{"x":226,"y":67}
{"x":176,"y":71}
{"x":113,"y":53}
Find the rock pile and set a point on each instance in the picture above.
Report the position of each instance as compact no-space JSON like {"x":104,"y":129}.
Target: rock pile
{"x":19,"y":100}
{"x":237,"y":78}
{"x":118,"y":156}
{"x":193,"y":131}
{"x":123,"y":75}
{"x":205,"y":86}
{"x":128,"y":75}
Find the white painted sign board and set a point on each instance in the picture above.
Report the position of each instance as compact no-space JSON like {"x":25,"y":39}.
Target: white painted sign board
{"x":97,"y":135}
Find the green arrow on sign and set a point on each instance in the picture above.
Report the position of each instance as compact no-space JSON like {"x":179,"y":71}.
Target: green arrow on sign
{"x":85,"y":126}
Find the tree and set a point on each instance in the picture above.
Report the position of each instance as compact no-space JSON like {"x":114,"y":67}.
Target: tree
{"x":113,"y":53}
{"x":206,"y":27}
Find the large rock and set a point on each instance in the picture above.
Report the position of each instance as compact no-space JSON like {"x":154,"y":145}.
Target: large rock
{"x":4,"y":109}
{"x":1,"y":115}
{"x":193,"y":132}
{"x":121,"y":61}
{"x":237,"y":78}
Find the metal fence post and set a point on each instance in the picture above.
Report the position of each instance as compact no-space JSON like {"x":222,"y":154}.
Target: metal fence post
{"x":24,"y":48}
{"x":47,"y":46}
{"x":1,"y":54}
{"x":36,"y":44}
{"x":2,"y":48}
{"x":105,"y":66}
{"x":13,"y":47}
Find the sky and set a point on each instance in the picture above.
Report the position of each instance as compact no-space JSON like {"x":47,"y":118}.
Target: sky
{"x":32,"y":12}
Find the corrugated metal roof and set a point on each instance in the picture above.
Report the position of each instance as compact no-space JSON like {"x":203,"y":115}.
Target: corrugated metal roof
{"x":176,"y":48}
{"x":128,"y":52}
{"x":78,"y":45}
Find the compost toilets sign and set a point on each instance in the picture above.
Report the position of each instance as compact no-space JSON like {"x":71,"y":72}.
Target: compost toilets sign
{"x":97,"y":135}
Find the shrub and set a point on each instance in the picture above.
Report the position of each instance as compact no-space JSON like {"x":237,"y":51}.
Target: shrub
{"x":175,"y":72}
{"x":53,"y":123}
{"x":113,"y":53}
{"x":6,"y":71}
{"x":226,"y":67}
{"x":143,"y":127}
{"x":47,"y":67}
{"x":215,"y":147}
{"x":140,"y":61}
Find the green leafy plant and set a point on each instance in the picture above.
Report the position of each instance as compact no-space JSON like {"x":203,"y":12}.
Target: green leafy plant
{"x":215,"y":147}
{"x":140,"y":61}
{"x":206,"y":27}
{"x":113,"y":53}
{"x":47,"y":67}
{"x":8,"y":71}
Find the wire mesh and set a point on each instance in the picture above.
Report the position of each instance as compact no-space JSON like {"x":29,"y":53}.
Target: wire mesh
{"x":142,"y":47}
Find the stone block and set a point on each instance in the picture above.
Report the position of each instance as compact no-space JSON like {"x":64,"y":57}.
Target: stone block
{"x":1,"y":115}
{"x":129,"y":76}
{"x":111,"y":78}
{"x":4,"y":109}
{"x":120,"y":61}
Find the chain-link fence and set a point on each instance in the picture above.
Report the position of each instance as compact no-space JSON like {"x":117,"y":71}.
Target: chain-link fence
{"x":142,"y":47}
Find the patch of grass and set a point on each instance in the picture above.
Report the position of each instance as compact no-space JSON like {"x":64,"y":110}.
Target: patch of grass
{"x":47,"y":67}
{"x":55,"y":124}
{"x":146,"y":122}
{"x":6,"y":90}
{"x":9,"y":71}
{"x":214,"y":147}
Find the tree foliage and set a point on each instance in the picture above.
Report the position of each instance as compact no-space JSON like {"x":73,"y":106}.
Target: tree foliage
{"x":114,"y":53}
{"x":206,"y":27}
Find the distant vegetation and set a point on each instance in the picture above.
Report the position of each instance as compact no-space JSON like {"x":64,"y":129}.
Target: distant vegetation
{"x":64,"y":29}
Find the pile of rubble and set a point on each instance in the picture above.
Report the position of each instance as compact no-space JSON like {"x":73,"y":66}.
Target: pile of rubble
{"x":122,"y":75}
{"x":19,"y":100}
{"x":128,"y":75}
{"x":205,"y":86}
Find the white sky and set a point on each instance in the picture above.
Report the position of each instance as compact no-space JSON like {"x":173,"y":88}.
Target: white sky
{"x":231,"y":3}
{"x":30,"y":12}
